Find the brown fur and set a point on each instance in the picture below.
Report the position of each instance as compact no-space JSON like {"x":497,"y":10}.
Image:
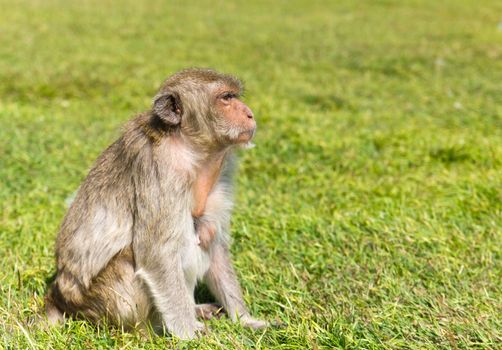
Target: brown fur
{"x":127,"y":250}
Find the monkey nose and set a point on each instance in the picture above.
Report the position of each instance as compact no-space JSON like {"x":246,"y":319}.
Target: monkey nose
{"x":249,"y":112}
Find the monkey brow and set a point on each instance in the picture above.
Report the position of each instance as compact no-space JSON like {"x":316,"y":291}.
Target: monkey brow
{"x":231,"y":90}
{"x":237,"y":91}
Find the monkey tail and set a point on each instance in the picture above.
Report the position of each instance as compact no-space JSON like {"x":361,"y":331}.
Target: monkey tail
{"x":54,"y":314}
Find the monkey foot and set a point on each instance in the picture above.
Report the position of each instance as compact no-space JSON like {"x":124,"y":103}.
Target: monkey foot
{"x":208,"y":311}
{"x":248,"y":321}
{"x":201,"y":329}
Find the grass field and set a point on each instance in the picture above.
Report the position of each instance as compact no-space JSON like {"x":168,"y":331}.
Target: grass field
{"x":368,"y":216}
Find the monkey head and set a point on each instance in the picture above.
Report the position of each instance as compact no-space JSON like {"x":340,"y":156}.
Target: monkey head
{"x":204,"y":106}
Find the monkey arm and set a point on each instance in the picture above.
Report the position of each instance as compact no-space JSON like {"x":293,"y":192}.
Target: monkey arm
{"x":222,"y":282}
{"x":165,"y":282}
{"x":162,"y":220}
{"x":158,"y":252}
{"x":221,"y":278}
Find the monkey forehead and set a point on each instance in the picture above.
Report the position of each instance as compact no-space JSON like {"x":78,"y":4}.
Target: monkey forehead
{"x":192,"y":77}
{"x":219,"y":89}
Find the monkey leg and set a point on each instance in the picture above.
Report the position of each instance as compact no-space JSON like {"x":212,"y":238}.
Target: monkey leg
{"x":222,"y":282}
{"x":115,"y":294}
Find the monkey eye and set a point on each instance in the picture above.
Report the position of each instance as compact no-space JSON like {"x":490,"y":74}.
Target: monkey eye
{"x":227,"y":96}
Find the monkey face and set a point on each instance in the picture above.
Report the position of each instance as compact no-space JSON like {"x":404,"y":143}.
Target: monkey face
{"x":205,"y":107}
{"x":235,"y":121}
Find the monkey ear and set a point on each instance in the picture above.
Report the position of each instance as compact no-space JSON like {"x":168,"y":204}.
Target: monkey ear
{"x":168,"y":108}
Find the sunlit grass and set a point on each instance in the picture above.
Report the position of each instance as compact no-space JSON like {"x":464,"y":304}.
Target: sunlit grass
{"x":368,"y":216}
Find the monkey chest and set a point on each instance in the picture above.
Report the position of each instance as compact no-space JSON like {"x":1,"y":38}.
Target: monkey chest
{"x":206,"y":178}
{"x":195,"y":260}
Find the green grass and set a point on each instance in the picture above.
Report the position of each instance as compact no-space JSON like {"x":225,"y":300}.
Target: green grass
{"x":368,"y":216}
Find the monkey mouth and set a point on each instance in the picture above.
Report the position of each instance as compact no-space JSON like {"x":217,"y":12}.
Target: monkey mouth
{"x":246,"y":136}
{"x":239,"y":135}
{"x":248,"y":133}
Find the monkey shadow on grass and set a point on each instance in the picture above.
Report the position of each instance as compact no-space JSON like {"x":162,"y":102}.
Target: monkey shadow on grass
{"x":203,"y":295}
{"x":49,"y":280}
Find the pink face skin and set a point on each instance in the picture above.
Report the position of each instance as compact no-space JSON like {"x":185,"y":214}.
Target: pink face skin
{"x":237,"y":114}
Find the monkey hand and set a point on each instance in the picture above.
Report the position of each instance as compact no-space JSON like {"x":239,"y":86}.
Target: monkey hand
{"x":205,"y":233}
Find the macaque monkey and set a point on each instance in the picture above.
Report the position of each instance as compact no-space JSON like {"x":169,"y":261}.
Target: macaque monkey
{"x":152,"y":217}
